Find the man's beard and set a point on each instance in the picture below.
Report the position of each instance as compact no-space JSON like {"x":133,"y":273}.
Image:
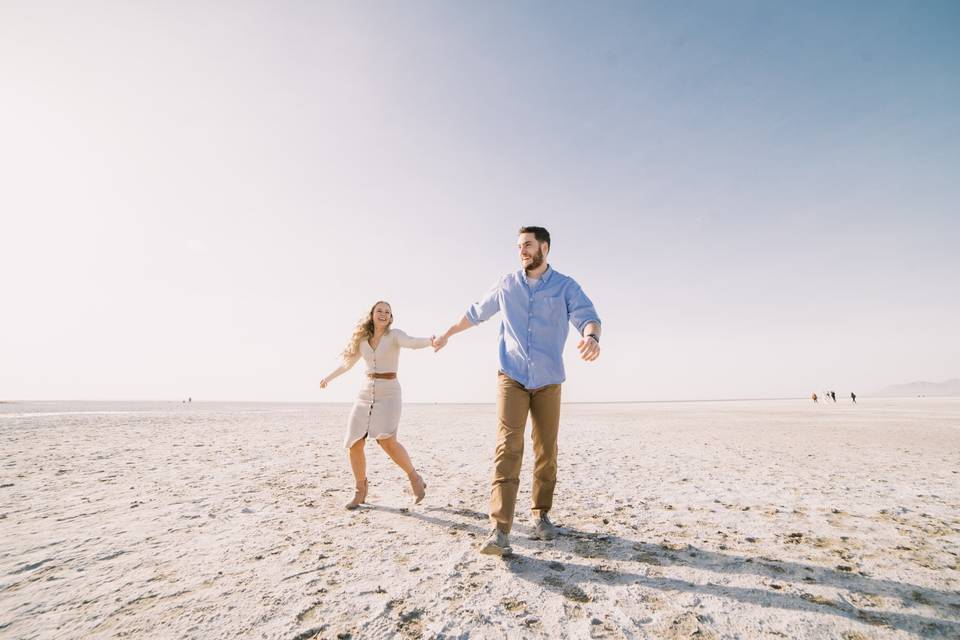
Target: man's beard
{"x":535,"y":261}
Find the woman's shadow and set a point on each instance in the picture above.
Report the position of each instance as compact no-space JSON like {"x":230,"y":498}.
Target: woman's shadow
{"x":593,"y":548}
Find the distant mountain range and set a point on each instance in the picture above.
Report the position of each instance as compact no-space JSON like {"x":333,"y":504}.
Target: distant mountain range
{"x":947,"y":388}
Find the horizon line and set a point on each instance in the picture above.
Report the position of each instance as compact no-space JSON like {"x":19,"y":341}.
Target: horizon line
{"x":349,"y":402}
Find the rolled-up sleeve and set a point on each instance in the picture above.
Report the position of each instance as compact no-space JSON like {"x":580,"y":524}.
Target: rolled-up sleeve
{"x":580,"y":309}
{"x":487,"y":306}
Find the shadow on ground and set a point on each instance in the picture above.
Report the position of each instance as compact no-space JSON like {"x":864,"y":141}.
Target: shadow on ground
{"x":569,"y":578}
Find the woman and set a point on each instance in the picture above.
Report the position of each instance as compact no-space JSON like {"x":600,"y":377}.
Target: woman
{"x":376,"y":412}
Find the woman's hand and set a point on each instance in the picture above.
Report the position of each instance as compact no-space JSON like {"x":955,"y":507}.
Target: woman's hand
{"x":324,"y":383}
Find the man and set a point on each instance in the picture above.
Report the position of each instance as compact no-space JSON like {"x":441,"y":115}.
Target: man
{"x":536,"y":303}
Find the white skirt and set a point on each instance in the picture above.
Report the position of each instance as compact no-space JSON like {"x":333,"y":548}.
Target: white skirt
{"x":376,"y":412}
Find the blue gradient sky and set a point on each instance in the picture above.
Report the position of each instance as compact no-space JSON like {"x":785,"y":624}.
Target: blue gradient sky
{"x":761,"y":198}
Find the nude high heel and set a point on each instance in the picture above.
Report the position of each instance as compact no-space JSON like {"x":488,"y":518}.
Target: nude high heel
{"x":360,"y":496}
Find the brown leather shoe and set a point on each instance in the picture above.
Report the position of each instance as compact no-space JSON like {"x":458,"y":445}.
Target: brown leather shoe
{"x":360,"y":496}
{"x":418,"y":485}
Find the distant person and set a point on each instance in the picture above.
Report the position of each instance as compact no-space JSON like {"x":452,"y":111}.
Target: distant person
{"x":537,"y":305}
{"x":853,"y":397}
{"x":376,"y":412}
{"x":833,"y":395}
{"x":814,"y":396}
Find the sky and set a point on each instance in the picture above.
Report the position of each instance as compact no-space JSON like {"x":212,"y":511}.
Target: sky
{"x":201,"y":199}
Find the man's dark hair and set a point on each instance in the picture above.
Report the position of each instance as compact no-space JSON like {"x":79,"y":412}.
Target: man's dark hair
{"x":541,"y":234}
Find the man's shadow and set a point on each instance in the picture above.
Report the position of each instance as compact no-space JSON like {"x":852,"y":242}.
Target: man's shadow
{"x":567,"y":578}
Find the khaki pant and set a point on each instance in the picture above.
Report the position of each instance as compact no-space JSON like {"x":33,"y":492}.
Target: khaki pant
{"x":514,"y":402}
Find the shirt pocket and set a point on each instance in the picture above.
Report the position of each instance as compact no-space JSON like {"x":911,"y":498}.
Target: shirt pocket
{"x":555,"y":309}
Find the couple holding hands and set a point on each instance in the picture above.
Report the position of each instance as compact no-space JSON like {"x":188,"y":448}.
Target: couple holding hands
{"x":536,"y":304}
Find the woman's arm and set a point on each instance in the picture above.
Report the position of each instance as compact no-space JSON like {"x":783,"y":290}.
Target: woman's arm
{"x":346,"y":366}
{"x":408,"y":342}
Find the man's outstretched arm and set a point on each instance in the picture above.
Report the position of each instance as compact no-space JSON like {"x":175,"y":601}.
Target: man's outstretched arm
{"x":440,"y":341}
{"x":478,"y":312}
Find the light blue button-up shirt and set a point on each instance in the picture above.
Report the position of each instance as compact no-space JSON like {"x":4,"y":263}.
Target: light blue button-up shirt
{"x":533,"y":326}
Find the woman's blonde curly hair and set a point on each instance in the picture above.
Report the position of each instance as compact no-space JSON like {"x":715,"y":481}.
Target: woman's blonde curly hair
{"x":363,"y":331}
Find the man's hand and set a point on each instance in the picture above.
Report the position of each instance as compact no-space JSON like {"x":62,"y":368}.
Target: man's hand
{"x":589,"y":349}
{"x":439,"y":343}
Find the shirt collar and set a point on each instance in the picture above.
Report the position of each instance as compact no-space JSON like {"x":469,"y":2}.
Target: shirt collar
{"x":544,"y":277}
